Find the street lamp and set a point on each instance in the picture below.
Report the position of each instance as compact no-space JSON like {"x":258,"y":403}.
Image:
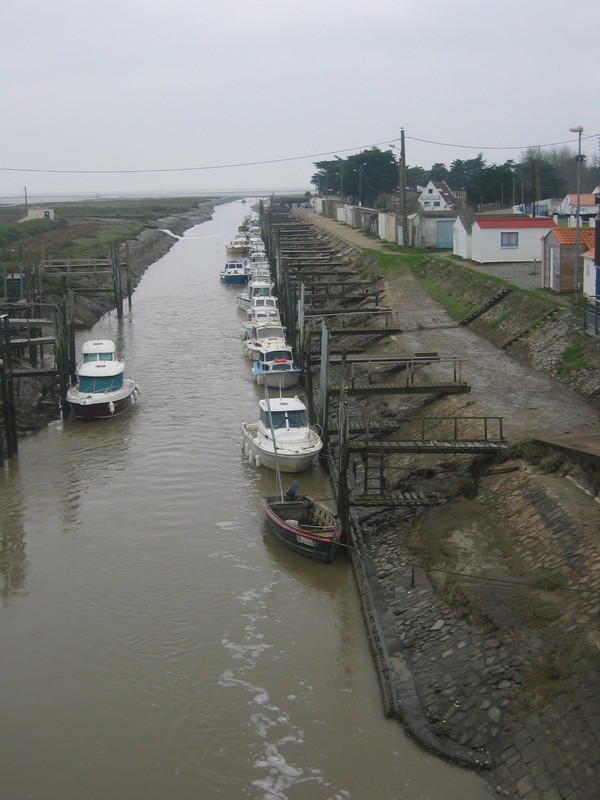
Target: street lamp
{"x":341,"y":175}
{"x":578,"y":129}
{"x":360,"y":178}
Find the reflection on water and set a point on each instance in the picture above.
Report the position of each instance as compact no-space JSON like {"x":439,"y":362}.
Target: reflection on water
{"x":161,"y":645}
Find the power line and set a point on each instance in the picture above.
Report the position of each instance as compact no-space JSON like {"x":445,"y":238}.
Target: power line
{"x":286,"y":159}
{"x":188,"y":169}
{"x":503,"y":147}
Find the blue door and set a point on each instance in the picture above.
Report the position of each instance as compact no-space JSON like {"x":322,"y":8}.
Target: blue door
{"x":445,"y":239}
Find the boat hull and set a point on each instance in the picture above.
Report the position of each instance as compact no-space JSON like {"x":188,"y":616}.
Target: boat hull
{"x":304,"y":526}
{"x":234,"y":279}
{"x":101,"y":405}
{"x":285,"y":379}
{"x":290,"y":458}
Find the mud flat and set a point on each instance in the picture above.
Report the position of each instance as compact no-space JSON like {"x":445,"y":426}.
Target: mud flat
{"x":483,"y":611}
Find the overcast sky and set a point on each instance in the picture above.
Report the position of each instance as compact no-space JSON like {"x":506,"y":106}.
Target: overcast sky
{"x":202,"y":95}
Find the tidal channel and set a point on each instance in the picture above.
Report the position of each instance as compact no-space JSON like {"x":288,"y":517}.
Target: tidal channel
{"x":156,"y":644}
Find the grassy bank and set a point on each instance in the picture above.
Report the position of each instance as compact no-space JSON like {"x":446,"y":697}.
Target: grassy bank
{"x":83,"y":229}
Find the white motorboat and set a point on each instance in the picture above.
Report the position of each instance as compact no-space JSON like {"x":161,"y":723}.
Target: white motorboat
{"x":272,"y":334}
{"x":234,"y":272}
{"x":263,"y":311}
{"x":275,"y":368}
{"x":101,"y":390}
{"x":282,"y":438}
{"x":257,"y":287}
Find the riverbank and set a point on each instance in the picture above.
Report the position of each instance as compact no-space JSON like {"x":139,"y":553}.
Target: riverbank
{"x":37,"y":399}
{"x":483,"y":611}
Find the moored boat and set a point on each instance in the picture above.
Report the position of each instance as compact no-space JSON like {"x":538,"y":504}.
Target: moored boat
{"x":264,"y":311}
{"x":101,"y":390}
{"x":271,"y":334}
{"x":303,"y":524}
{"x":282,"y":437}
{"x":257,"y":287}
{"x":234,"y":272}
{"x":275,"y":368}
{"x":239,"y":246}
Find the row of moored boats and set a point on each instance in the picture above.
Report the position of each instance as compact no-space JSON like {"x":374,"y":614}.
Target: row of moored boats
{"x":281,"y":439}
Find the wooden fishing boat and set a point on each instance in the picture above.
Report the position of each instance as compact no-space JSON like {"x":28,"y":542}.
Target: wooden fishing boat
{"x":303,"y":524}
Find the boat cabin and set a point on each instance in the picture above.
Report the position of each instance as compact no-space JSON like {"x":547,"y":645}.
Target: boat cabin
{"x":275,"y":359}
{"x":283,"y":413}
{"x":95,"y":382}
{"x":98,"y":350}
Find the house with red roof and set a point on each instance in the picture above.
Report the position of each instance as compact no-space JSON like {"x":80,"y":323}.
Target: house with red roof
{"x":558,"y":262}
{"x":589,"y":205}
{"x":489,"y":240}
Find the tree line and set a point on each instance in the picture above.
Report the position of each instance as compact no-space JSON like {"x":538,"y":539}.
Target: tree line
{"x":371,"y":177}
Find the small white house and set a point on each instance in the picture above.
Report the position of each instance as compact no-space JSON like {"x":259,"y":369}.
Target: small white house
{"x":437,"y":196}
{"x":461,"y":235}
{"x":587,"y":205}
{"x":501,"y":239}
{"x":38,"y":213}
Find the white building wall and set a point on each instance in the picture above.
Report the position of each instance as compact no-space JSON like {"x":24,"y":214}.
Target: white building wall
{"x":589,"y":277}
{"x":386,"y":226}
{"x":461,"y":240}
{"x":431,"y":200}
{"x":486,"y":247}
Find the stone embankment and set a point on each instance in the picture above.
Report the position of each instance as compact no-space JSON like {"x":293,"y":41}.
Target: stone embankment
{"x":484,"y":611}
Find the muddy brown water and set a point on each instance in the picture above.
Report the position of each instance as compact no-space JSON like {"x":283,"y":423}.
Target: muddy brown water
{"x":155,"y":643}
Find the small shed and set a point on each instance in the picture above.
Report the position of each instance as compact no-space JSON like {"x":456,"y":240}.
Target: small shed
{"x":432,"y":230}
{"x":591,"y":275}
{"x":506,"y":239}
{"x":558,"y":257}
{"x":462,"y":234}
{"x":38,"y":213}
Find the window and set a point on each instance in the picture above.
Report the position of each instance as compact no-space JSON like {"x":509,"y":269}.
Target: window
{"x":509,"y":239}
{"x":436,"y":203}
{"x":429,"y":191}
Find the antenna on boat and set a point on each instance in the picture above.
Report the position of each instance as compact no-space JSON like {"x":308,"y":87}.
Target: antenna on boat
{"x":277,"y":470}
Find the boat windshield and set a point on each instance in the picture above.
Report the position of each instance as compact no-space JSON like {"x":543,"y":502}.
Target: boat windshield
{"x":87,"y":358}
{"x":108,"y":383}
{"x":286,"y":419}
{"x":275,"y":355}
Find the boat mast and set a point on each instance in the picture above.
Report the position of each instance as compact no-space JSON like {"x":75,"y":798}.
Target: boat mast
{"x":277,"y":471}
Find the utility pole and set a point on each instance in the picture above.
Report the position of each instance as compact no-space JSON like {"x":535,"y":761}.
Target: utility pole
{"x":403,"y":189}
{"x":578,"y":129}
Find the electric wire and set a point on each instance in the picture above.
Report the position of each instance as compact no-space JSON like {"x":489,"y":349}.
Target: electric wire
{"x":286,"y":159}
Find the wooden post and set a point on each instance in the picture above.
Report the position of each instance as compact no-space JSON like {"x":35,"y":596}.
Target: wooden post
{"x":343,"y":501}
{"x":128,"y":268}
{"x":307,"y":369}
{"x":8,"y":393}
{"x":61,"y":334}
{"x":324,"y":400}
{"x":116,"y":274}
